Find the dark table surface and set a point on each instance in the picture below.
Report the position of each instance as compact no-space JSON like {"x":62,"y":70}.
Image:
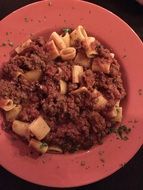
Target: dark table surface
{"x":130,"y":177}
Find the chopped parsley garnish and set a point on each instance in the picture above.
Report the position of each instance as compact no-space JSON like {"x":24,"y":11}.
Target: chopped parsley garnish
{"x":43,"y":145}
{"x":67,"y":30}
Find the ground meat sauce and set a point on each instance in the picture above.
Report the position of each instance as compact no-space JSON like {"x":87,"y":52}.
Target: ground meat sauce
{"x":76,"y":122}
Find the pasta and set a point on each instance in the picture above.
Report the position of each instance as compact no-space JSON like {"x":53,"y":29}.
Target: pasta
{"x":6,"y":104}
{"x":101,"y":67}
{"x":55,"y":149}
{"x":38,"y":146}
{"x":77,"y":72}
{"x":78,"y":34}
{"x":66,"y":39}
{"x":23,"y":46}
{"x":101,"y":101}
{"x":80,"y":90}
{"x":58,"y":40}
{"x":13,"y":113}
{"x":63,"y":87}
{"x":39,"y":128}
{"x":82,"y":59}
{"x":52,"y":49}
{"x":62,"y":94}
{"x":89,"y":47}
{"x":33,"y":75}
{"x":21,"y":128}
{"x":68,"y":53}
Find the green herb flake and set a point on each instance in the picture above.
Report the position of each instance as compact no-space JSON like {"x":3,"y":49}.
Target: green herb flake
{"x":67,"y":30}
{"x":43,"y":145}
{"x":7,"y":33}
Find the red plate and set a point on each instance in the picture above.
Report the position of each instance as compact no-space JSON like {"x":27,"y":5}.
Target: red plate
{"x":86,"y":167}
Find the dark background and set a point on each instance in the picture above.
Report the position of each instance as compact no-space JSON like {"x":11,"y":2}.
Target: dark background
{"x":130,"y":177}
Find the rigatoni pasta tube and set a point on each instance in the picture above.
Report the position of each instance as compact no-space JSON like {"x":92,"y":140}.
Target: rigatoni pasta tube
{"x":77,"y":72}
{"x":89,"y":47}
{"x":39,"y":128}
{"x":101,"y":67}
{"x":118,"y":118}
{"x":23,"y":46}
{"x":21,"y":128}
{"x":38,"y":146}
{"x":66,"y":39}
{"x":80,"y":90}
{"x":58,"y":40}
{"x":52,"y":50}
{"x":101,"y":101}
{"x":79,"y":34}
{"x":12,"y":114}
{"x":63,"y":87}
{"x":33,"y":75}
{"x":68,"y":53}
{"x":114,"y":111}
{"x":7,"y":104}
{"x":82,"y":59}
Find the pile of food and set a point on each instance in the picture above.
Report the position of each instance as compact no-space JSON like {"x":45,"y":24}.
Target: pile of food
{"x":62,"y":94}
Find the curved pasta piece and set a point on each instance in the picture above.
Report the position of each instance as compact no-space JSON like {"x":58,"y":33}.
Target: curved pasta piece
{"x":66,"y":39}
{"x":12,"y":114}
{"x":39,"y":128}
{"x":77,"y":72}
{"x":118,"y":118}
{"x":116,"y":113}
{"x":58,"y":40}
{"x":55,"y":149}
{"x":33,"y":75}
{"x":82,"y":59}
{"x":52,"y":50}
{"x":80,"y":90}
{"x":38,"y":146}
{"x":101,"y":67}
{"x":21,"y":128}
{"x":89,"y":46}
{"x":68,"y":53}
{"x":23,"y":46}
{"x":79,"y":34}
{"x":101,"y":101}
{"x":63,"y":87}
{"x":19,"y":73}
{"x":7,"y":104}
